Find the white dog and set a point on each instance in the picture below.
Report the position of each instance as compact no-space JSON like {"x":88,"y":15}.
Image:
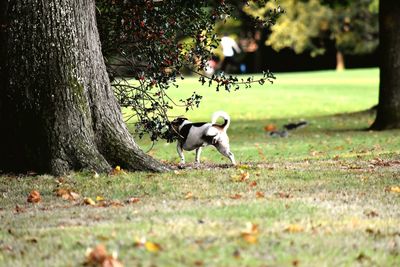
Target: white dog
{"x":196,"y":135}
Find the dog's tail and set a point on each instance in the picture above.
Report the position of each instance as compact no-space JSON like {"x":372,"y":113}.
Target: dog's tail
{"x":225,"y":116}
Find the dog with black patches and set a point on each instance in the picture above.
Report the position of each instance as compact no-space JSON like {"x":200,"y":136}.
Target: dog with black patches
{"x":194,"y":136}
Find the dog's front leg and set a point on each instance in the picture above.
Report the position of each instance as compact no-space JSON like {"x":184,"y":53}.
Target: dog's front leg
{"x":180,"y":152}
{"x":198,"y":152}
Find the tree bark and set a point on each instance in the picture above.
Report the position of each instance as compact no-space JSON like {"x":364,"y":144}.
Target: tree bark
{"x":388,"y":112}
{"x":56,"y":100}
{"x":340,"y":64}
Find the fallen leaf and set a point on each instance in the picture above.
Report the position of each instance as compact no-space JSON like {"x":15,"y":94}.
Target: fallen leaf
{"x":295,"y":263}
{"x":99,"y":198}
{"x":250,"y":238}
{"x":132,"y":200}
{"x":235,"y":196}
{"x":34,"y":197}
{"x":152,"y":247}
{"x":89,"y":201}
{"x":99,"y":257}
{"x":253,"y":184}
{"x":96,"y":255}
{"x":250,"y":233}
{"x":241,"y":177}
{"x":251,"y":228}
{"x":244,"y":176}
{"x":260,"y":194}
{"x":189,"y":195}
{"x":198,"y":263}
{"x":117,"y":171}
{"x":395,"y":189}
{"x":67,"y":194}
{"x":294,"y":228}
{"x":270,"y":127}
{"x":111,"y":203}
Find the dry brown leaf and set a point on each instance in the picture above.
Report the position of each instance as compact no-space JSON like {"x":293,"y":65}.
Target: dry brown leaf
{"x":241,"y":177}
{"x":34,"y":197}
{"x":132,"y":200}
{"x":244,"y":176}
{"x":96,"y":255}
{"x":111,"y":203}
{"x":250,"y":233}
{"x":270,"y":127}
{"x":260,"y":194}
{"x":235,"y":196}
{"x":250,"y":238}
{"x":89,"y":201}
{"x":99,"y":257}
{"x":295,"y":263}
{"x":198,"y":263}
{"x":67,"y":194}
{"x":189,"y":195}
{"x":253,"y":184}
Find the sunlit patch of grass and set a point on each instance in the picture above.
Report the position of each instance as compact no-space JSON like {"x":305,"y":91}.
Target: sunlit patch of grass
{"x":320,"y":197}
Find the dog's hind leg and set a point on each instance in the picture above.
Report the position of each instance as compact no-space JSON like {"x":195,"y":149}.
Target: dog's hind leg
{"x":180,"y":152}
{"x":224,"y":150}
{"x":198,"y":152}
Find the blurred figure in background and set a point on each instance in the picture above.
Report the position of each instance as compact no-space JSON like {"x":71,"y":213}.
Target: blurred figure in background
{"x":229,"y":47}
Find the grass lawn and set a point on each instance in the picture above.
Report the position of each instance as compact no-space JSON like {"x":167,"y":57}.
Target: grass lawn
{"x":327,"y":195}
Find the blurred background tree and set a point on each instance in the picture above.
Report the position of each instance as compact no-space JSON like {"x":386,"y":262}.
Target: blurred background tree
{"x":149,"y":44}
{"x":312,"y":25}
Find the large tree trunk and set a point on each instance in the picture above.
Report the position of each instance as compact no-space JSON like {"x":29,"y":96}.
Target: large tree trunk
{"x":57,"y":108}
{"x":388,"y":112}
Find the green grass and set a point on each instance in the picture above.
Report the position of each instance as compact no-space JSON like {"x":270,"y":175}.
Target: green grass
{"x":331,"y":181}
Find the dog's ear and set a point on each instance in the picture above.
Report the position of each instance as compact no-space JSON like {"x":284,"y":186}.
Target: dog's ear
{"x":179,"y":120}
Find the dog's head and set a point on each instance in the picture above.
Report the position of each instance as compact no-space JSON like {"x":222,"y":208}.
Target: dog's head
{"x":177,"y":122}
{"x":174,"y":126}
